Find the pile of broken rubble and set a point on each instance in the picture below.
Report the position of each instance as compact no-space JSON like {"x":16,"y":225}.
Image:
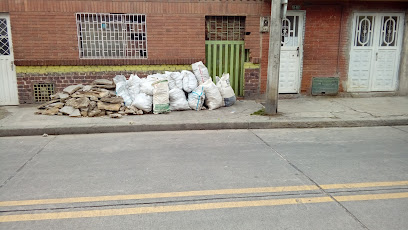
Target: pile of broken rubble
{"x":158,"y":93}
{"x":98,"y":99}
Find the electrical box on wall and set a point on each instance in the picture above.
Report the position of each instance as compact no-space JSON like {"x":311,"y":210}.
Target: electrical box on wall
{"x":264,"y":27}
{"x":325,"y":86}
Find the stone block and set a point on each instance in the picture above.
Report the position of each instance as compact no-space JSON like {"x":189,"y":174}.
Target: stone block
{"x":102,"y":82}
{"x":108,"y":106}
{"x":72,"y":89}
{"x":112,"y":100}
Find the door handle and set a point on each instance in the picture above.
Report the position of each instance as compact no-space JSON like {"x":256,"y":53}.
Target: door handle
{"x":12,"y":65}
{"x":376,"y":56}
{"x":297,"y":52}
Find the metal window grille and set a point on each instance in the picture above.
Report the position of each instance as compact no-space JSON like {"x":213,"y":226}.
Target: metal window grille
{"x":112,"y":36}
{"x":4,"y":40}
{"x":290,"y":31}
{"x":364,"y":31}
{"x":389,"y":31}
{"x":225,"y":28}
{"x":43,"y":91}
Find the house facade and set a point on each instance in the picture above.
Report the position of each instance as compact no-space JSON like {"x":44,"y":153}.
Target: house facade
{"x":328,"y":47}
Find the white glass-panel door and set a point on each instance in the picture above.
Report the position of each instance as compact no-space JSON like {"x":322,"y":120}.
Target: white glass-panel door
{"x":292,"y":46}
{"x":375,"y":52}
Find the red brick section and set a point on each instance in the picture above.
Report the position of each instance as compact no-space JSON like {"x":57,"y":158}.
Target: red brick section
{"x":4,"y":6}
{"x":266,"y":11}
{"x":251,"y":86}
{"x":321,"y":46}
{"x":252,"y":40}
{"x":45,"y":31}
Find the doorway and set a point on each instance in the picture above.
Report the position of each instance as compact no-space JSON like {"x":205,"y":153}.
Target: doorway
{"x":291,"y":52}
{"x":375,"y":52}
{"x":8,"y":80}
{"x":224,"y":49}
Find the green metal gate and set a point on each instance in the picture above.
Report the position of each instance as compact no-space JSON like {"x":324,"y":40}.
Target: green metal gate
{"x":227,"y":57}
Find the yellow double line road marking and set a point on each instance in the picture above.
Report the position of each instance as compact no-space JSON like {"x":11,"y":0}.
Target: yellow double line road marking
{"x":202,"y":206}
{"x":195,"y":207}
{"x":201,"y":193}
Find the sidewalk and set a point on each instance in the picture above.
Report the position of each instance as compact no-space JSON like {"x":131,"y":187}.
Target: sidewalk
{"x":293,"y":113}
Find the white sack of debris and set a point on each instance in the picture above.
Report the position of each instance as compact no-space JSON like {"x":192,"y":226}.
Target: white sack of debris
{"x":213,"y":98}
{"x":144,"y":102}
{"x":189,"y":81}
{"x":133,"y":85}
{"x":161,"y":103}
{"x":226,"y":90}
{"x":122,"y":89}
{"x":146,"y":85}
{"x":201,"y":72}
{"x":178,"y":100}
{"x":175,"y":80}
{"x":196,"y":98}
{"x":158,"y":76}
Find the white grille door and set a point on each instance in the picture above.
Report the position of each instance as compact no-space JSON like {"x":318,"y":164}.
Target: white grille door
{"x":290,"y":60}
{"x":8,"y":81}
{"x":375,"y":52}
{"x":388,"y":52}
{"x":361,"y":55}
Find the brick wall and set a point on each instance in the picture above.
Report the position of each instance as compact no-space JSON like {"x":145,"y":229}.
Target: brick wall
{"x":266,"y":11}
{"x":251,"y":86}
{"x":252,"y":40}
{"x":4,"y":6}
{"x":25,"y":81}
{"x":44,"y":31}
{"x":321,"y":46}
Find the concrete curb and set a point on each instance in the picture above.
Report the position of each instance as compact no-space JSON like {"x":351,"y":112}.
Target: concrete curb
{"x":92,"y":129}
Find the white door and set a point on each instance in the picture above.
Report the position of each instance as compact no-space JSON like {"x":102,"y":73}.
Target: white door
{"x":375,"y":52}
{"x":8,"y":80}
{"x":291,"y":52}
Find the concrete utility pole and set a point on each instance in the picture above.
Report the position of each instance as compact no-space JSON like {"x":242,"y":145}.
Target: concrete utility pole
{"x":271,"y":106}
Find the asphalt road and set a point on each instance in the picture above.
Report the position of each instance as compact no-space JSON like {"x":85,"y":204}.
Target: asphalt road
{"x":334,"y":178}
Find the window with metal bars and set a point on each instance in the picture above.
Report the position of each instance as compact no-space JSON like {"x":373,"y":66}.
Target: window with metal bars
{"x":111,"y":36}
{"x":224,"y":28}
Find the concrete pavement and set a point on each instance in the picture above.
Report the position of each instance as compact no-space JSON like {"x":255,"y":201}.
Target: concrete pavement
{"x":293,"y":113}
{"x":331,"y":178}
